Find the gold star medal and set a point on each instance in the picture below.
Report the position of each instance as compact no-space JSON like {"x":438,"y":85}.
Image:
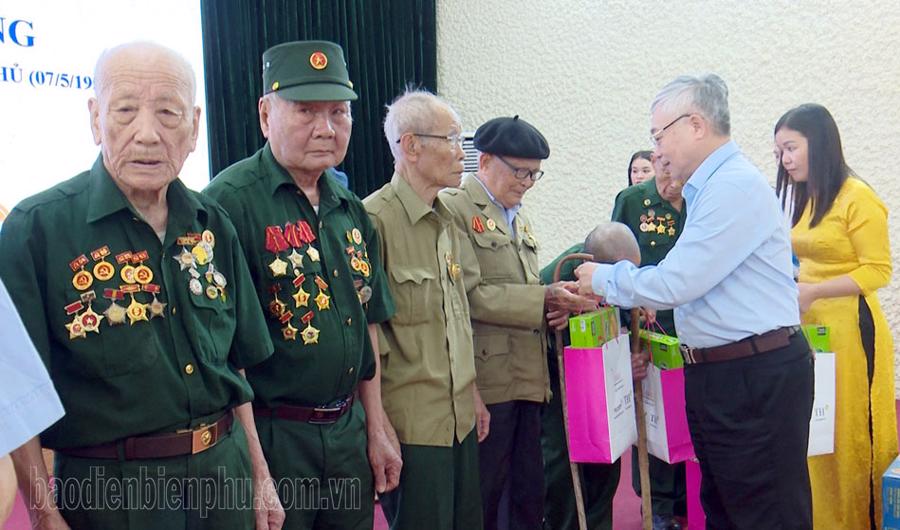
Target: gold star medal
{"x":296,"y":259}
{"x":82,"y":279}
{"x":278,"y":267}
{"x":75,"y":327}
{"x":651,"y":226}
{"x":90,"y":320}
{"x":310,"y":334}
{"x":312,"y":253}
{"x":289,"y":332}
{"x":103,"y":270}
{"x":301,"y":297}
{"x":672,"y":232}
{"x":185,"y":259}
{"x":357,"y":236}
{"x":323,"y":301}
{"x":115,"y":314}
{"x":157,"y":308}
{"x":136,"y":311}
{"x":660,"y":229}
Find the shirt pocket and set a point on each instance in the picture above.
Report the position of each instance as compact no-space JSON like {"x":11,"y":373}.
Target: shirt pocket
{"x":495,"y":252}
{"x":413,"y":290}
{"x":214,"y":325}
{"x":492,"y":359}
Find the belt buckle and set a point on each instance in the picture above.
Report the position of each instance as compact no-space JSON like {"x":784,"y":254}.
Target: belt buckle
{"x":687,"y":353}
{"x":204,"y":438}
{"x":325,"y":415}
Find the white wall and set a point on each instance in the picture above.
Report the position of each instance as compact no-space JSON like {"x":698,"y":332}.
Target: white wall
{"x":585,"y":71}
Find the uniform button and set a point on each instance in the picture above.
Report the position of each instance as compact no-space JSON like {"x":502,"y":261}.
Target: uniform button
{"x":189,"y":368}
{"x":350,"y":371}
{"x":349,"y":321}
{"x":335,"y":273}
{"x":174,"y":310}
{"x":653,"y":243}
{"x":321,"y":224}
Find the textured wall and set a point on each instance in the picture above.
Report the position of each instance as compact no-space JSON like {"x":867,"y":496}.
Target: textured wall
{"x":585,"y":72}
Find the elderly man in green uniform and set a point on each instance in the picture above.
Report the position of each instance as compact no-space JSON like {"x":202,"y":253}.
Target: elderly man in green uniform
{"x":138,"y":299}
{"x":508,"y":306}
{"x":314,"y":258}
{"x":654,"y":211}
{"x":429,"y":372}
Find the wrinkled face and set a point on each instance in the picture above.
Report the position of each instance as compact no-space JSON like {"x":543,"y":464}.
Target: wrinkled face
{"x":641,"y":170}
{"x":667,"y":187}
{"x":671,"y":132}
{"x":306,"y":136}
{"x":440,"y":159}
{"x":143,"y":120}
{"x":791,"y":150}
{"x":499,"y":175}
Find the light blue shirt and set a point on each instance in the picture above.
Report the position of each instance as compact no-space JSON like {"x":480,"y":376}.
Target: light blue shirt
{"x":729,"y":275}
{"x":508,"y":213}
{"x":28,"y":402}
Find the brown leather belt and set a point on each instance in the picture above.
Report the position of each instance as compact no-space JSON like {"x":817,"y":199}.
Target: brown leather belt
{"x":315,"y":415}
{"x":752,"y":345}
{"x":179,"y":443}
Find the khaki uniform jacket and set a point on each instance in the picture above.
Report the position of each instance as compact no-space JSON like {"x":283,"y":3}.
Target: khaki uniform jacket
{"x":505,"y":294}
{"x":427,"y":371}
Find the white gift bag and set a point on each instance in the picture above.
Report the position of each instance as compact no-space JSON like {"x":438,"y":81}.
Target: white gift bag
{"x":821,"y":422}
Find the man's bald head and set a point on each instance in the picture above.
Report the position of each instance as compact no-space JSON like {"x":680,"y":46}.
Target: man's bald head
{"x":142,"y":53}
{"x":612,"y":242}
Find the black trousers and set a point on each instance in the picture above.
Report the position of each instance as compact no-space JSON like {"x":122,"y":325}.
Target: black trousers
{"x":749,"y":421}
{"x":510,"y":460}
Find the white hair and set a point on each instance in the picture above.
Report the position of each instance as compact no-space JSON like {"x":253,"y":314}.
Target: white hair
{"x":150,"y":48}
{"x":412,"y":112}
{"x":706,"y":95}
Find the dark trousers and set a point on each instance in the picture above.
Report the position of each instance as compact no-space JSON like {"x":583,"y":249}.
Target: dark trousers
{"x":749,"y":421}
{"x":510,"y":460}
{"x":438,"y":488}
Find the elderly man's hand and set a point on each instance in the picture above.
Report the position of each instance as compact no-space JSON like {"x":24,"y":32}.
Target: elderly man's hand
{"x":384,"y":457}
{"x":648,"y":315}
{"x":639,"y":363}
{"x":558,"y":319}
{"x":482,"y":417}
{"x":564,"y":296}
{"x":585,"y":274}
{"x":267,"y":507}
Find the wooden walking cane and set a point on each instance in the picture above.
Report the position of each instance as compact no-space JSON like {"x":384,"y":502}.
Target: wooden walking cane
{"x":643,"y":457}
{"x":573,"y":467}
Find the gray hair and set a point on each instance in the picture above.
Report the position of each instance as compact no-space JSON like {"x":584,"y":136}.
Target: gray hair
{"x":612,"y":242}
{"x":412,"y":112}
{"x":150,"y":48}
{"x":706,"y":95}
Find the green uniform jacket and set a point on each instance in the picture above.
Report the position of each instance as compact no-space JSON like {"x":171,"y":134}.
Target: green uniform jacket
{"x":656,"y":224}
{"x":505,"y":296}
{"x":427,"y":369}
{"x":318,"y":296}
{"x":163,"y":367}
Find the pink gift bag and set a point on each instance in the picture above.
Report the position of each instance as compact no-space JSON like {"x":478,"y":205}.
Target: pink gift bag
{"x":665,"y":416}
{"x":696,"y":516}
{"x":600,"y":401}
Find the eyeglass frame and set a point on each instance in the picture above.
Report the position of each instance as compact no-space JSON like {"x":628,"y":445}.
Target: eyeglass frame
{"x":534,"y":174}
{"x":658,"y":134}
{"x":454,"y":139}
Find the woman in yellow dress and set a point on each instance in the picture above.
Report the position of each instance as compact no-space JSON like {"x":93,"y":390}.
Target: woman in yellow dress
{"x":840,"y":236}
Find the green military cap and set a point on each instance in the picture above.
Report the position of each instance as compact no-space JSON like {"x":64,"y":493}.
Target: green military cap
{"x":511,"y":137}
{"x":310,"y":70}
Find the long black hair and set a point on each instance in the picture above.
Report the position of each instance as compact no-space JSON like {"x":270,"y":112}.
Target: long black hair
{"x":646,"y":155}
{"x":826,"y":169}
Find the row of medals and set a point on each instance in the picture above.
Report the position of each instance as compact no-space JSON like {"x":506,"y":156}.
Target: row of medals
{"x":138,"y":278}
{"x":650,"y":222}
{"x":279,"y":268}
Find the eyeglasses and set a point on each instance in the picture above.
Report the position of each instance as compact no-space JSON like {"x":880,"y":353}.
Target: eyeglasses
{"x":658,"y":134}
{"x":454,"y":139}
{"x":523,"y":173}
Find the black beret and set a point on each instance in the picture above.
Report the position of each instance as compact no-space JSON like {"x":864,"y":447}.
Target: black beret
{"x":511,"y":137}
